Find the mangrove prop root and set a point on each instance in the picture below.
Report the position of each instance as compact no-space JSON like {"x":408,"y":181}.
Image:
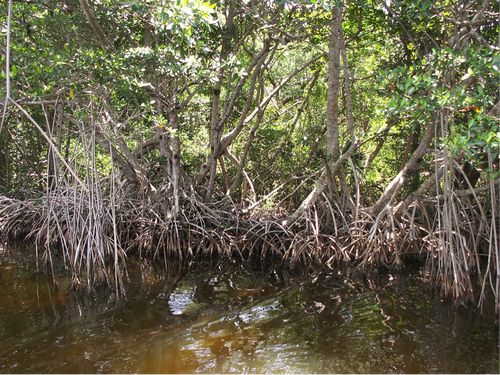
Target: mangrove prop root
{"x":95,"y":240}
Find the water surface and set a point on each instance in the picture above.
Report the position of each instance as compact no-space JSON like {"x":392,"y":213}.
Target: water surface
{"x":225,"y":318}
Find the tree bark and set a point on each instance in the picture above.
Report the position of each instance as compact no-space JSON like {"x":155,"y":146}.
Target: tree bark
{"x":407,"y":150}
{"x":89,"y":15}
{"x":320,"y":185}
{"x":127,"y":170}
{"x":415,"y":179}
{"x":246,"y":149}
{"x":410,"y":167}
{"x":229,"y":137}
{"x":347,"y":86}
{"x":205,"y":168}
{"x":52,"y":165}
{"x":216,"y":126}
{"x":247,"y":178}
{"x":176,"y":161}
{"x":381,"y":136}
{"x":333,"y":159}
{"x":430,"y":183}
{"x":332,"y":130}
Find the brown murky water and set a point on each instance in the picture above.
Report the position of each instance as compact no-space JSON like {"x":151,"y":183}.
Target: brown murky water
{"x":224,"y":318}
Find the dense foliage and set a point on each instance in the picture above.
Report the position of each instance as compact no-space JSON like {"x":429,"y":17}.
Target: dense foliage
{"x":156,"y":54}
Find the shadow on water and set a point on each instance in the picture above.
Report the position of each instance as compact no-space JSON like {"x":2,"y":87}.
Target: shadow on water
{"x":225,"y":318}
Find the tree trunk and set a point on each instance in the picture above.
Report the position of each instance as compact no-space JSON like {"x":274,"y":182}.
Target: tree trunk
{"x":320,"y":185}
{"x":350,"y":123}
{"x":89,"y":15}
{"x":205,"y":168}
{"x":415,"y":179}
{"x":381,"y":136}
{"x":429,"y":184}
{"x":216,"y":126}
{"x":347,"y":86}
{"x":332,"y":124}
{"x":245,"y":118}
{"x":410,"y":167}
{"x":333,"y":159}
{"x":52,"y":165}
{"x":176,"y":161}
{"x":246,"y":177}
{"x":246,"y":149}
{"x":296,"y":119}
{"x":332,"y":131}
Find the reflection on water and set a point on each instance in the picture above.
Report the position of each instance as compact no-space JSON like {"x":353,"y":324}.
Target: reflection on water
{"x":224,"y":318}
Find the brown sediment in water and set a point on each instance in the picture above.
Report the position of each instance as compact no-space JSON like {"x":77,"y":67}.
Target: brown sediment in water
{"x":380,"y":322}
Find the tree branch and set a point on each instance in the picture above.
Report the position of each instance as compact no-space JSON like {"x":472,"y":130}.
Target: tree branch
{"x":89,"y":15}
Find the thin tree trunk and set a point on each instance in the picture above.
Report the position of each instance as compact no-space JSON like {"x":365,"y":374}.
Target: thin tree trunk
{"x":229,"y":137}
{"x":350,"y":121}
{"x":257,"y":61}
{"x":89,"y":15}
{"x":332,"y":131}
{"x":429,"y":184}
{"x":320,"y":185}
{"x":216,"y":126}
{"x":406,"y":151}
{"x":410,"y":167}
{"x":224,"y":174}
{"x":374,"y":154}
{"x":205,"y":168}
{"x":243,"y":159}
{"x":127,"y":170}
{"x":381,"y":135}
{"x":415,"y":179}
{"x":347,"y":86}
{"x":52,"y":165}
{"x":248,"y":181}
{"x":333,"y":159}
{"x":176,"y":161}
{"x":164,"y":145}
